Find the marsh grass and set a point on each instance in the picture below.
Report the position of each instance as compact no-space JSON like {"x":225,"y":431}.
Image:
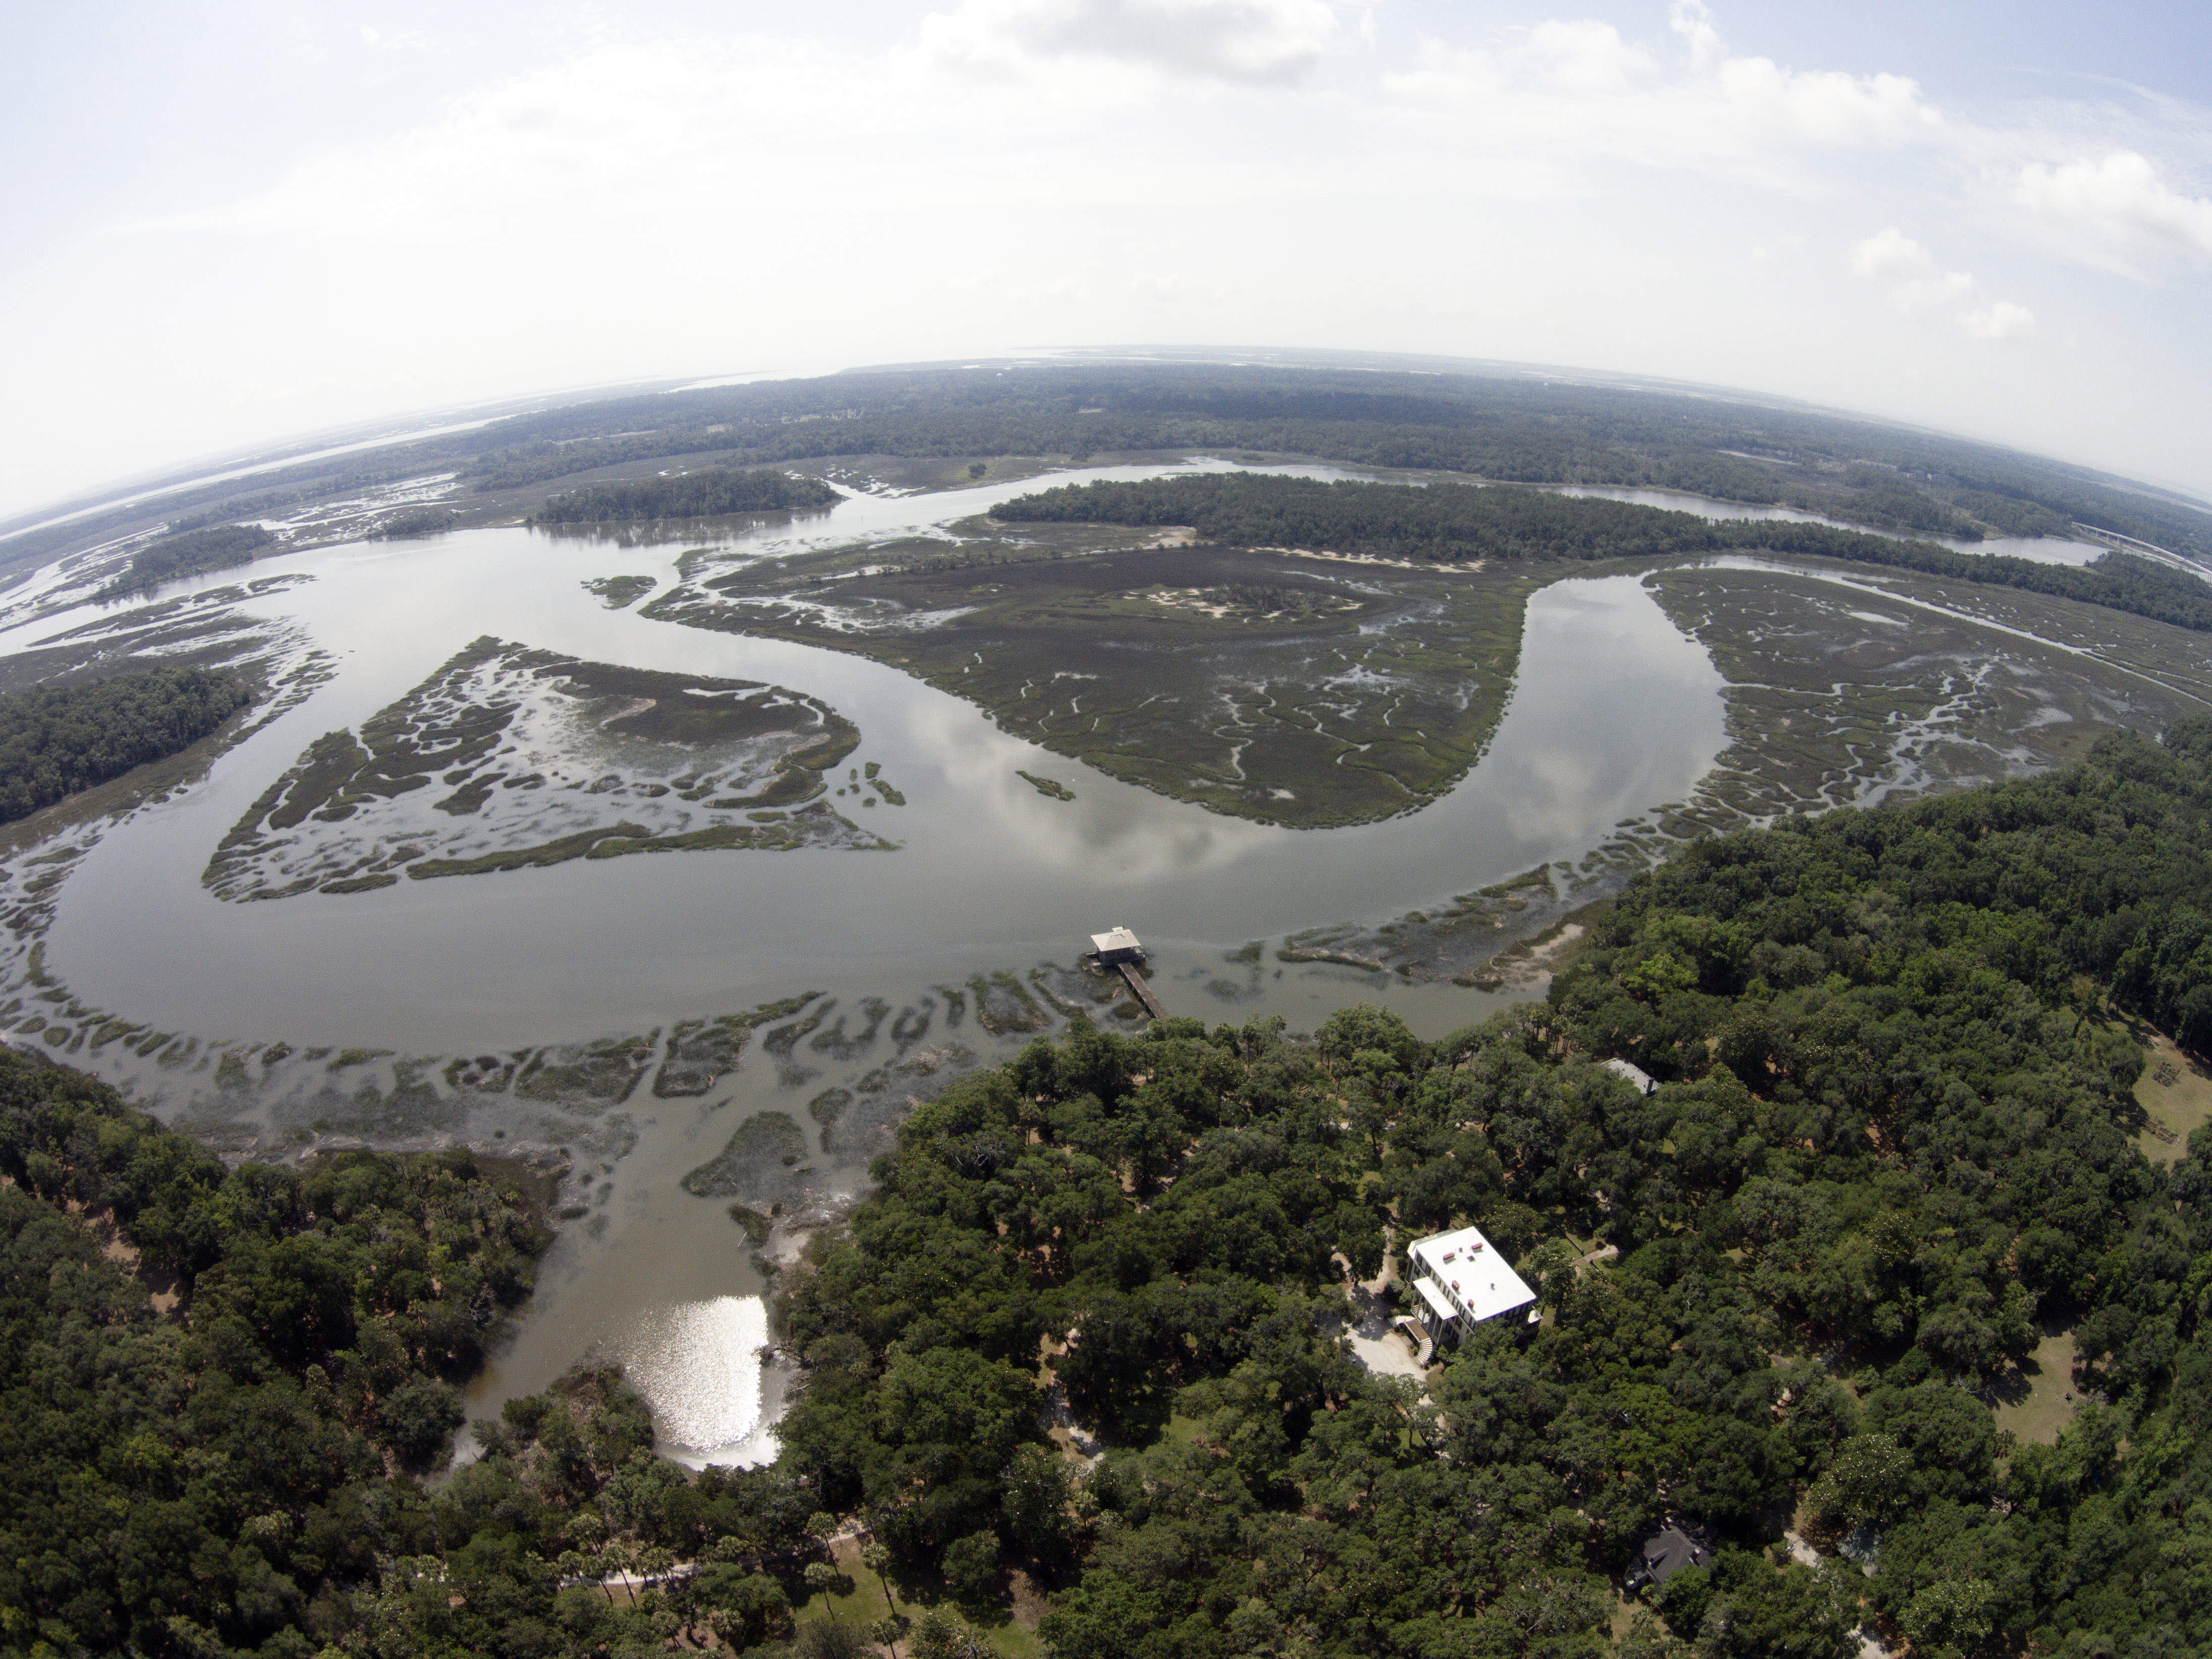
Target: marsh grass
{"x":701,"y":1051}
{"x":1369,"y":696}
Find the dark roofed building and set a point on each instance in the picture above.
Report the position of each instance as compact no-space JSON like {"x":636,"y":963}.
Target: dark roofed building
{"x":1666,"y":1553}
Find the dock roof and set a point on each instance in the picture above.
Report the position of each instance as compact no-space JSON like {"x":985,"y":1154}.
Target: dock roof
{"x":1114,"y":939}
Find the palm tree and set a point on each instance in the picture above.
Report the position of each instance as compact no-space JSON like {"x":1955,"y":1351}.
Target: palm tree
{"x":875,"y":1557}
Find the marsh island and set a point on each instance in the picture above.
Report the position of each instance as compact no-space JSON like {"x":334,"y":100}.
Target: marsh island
{"x":509,"y":756}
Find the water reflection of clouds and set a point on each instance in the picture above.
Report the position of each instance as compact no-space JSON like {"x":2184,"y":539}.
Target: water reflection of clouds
{"x":1612,"y":698}
{"x":1613,"y":711}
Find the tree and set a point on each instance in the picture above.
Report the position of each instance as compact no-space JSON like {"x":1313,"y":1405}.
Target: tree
{"x":876,"y":1558}
{"x":1868,"y":1482}
{"x":939,"y":1633}
{"x":741,"y":1607}
{"x":971,"y":1565}
{"x":420,"y":1419}
{"x":824,"y":1580}
{"x":831,"y":1639}
{"x":1951,"y":1615}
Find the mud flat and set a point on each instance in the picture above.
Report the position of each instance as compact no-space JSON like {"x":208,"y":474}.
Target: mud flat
{"x":1844,"y":691}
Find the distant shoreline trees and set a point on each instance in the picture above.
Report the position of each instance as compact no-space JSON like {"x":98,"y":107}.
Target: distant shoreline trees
{"x":710,"y":493}
{"x":1448,"y":522}
{"x":188,"y":554}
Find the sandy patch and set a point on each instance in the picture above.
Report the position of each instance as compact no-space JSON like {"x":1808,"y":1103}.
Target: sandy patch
{"x":1368,"y":558}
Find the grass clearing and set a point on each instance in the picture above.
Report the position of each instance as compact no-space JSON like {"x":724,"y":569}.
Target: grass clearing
{"x":2031,"y":1402}
{"x":2176,"y":1095}
{"x":1008,"y":1631}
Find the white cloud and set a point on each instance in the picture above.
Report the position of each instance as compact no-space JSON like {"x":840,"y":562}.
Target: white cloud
{"x":2121,"y":196}
{"x":2000,"y":319}
{"x":1693,"y":20}
{"x":1918,"y":283}
{"x":1562,"y":90}
{"x":1266,"y":42}
{"x":1890,"y":256}
{"x":609,"y":201}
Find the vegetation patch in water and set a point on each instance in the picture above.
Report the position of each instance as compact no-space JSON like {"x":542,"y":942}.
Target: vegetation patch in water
{"x":758,"y":1226}
{"x":605,"y":1071}
{"x":509,"y":757}
{"x":783,"y":1042}
{"x":621,"y":591}
{"x":191,"y":553}
{"x":756,"y":1166}
{"x":833,"y":1042}
{"x":1004,"y":1005}
{"x":891,"y":797}
{"x":414,"y":523}
{"x":700,"y":1051}
{"x":1051,"y":787}
{"x":712,"y":492}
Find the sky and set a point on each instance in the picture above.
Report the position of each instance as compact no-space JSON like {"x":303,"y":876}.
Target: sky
{"x":221,"y":225}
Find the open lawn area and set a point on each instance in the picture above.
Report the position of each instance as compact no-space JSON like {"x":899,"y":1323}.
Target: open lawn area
{"x":2176,"y":1093}
{"x":2032,"y":1401}
{"x":1014,"y":1634}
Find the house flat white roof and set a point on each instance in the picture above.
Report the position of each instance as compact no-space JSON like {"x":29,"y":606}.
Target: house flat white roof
{"x":1114,"y":939}
{"x":1476,"y":1281}
{"x":1434,"y":1296}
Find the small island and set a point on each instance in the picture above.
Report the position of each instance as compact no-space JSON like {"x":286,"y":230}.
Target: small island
{"x":191,"y":553}
{"x":712,"y":492}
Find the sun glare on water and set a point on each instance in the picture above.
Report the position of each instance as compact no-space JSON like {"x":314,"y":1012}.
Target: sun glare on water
{"x":698,"y":1364}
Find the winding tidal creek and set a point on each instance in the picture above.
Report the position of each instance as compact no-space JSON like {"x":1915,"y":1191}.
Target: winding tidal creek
{"x":463,"y":1008}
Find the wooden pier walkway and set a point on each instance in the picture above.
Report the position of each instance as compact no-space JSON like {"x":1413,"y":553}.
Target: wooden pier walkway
{"x":1134,"y":976}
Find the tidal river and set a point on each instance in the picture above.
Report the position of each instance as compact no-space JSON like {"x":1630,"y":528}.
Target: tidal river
{"x":1613,"y":712}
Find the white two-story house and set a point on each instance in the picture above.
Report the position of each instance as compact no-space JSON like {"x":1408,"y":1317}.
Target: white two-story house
{"x":1462,"y":1280}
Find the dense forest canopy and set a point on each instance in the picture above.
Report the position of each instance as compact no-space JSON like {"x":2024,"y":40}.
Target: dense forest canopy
{"x":55,"y":742}
{"x":1503,"y":424}
{"x":700,"y":495}
{"x":1449,"y":522}
{"x":209,"y":1487}
{"x":188,"y":554}
{"x":1891,"y":1144}
{"x":1892,"y":1137}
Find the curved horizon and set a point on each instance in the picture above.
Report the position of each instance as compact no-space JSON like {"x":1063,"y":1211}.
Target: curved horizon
{"x":386,"y":431}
